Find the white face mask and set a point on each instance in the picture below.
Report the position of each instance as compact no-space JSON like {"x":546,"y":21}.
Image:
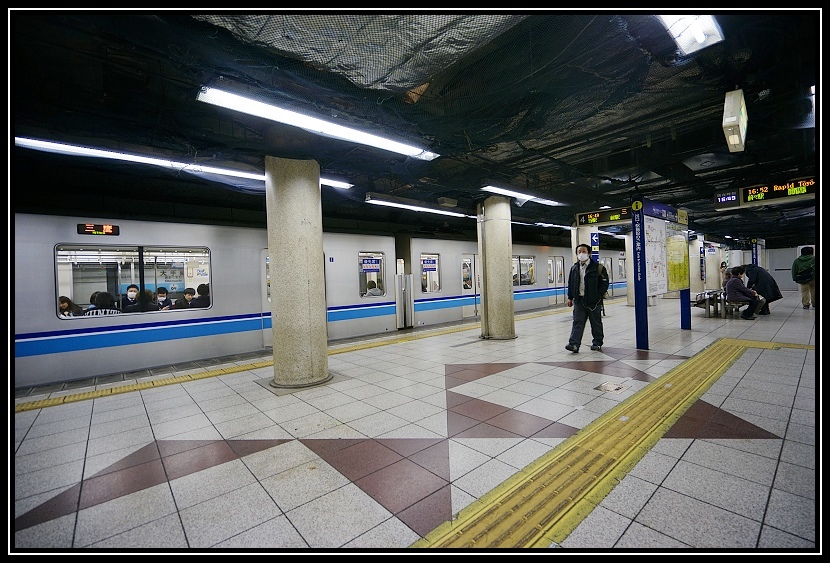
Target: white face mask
{"x":162,"y":298}
{"x":132,"y":294}
{"x":582,"y":257}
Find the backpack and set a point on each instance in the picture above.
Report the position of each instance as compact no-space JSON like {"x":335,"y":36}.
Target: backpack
{"x":804,"y":276}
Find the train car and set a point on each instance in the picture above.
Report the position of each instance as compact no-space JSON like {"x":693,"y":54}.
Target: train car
{"x":373,"y":284}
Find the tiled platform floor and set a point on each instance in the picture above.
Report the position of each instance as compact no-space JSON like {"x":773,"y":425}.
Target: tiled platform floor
{"x":412,"y":430}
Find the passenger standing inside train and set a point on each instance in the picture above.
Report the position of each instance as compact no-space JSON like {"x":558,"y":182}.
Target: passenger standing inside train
{"x":130,"y":299}
{"x":187,"y":297}
{"x":68,"y":308}
{"x":104,"y":305}
{"x":164,"y":302}
{"x":202,"y":298}
{"x":586,"y":286}
{"x":761,"y":280}
{"x":804,"y":274}
{"x":737,"y":292}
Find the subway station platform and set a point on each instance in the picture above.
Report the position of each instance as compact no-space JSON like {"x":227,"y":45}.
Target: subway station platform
{"x":439,"y":439}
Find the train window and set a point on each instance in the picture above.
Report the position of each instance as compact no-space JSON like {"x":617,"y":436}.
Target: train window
{"x":84,"y":271}
{"x":371,"y":266}
{"x":524,"y":270}
{"x":621,"y":269}
{"x":430,"y":273}
{"x":467,"y":273}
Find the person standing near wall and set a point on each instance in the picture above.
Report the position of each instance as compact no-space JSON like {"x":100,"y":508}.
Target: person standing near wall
{"x":804,"y":274}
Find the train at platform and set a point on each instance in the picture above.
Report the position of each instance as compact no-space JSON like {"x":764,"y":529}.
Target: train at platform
{"x":374,"y":284}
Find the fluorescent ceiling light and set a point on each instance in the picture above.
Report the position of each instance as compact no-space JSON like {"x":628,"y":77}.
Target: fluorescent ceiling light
{"x":692,"y":33}
{"x":553,"y":225}
{"x":519,"y":196}
{"x":242,"y":104}
{"x":77,"y":150}
{"x":391,"y":201}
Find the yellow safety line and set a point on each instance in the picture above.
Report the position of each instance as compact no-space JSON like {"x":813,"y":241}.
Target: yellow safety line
{"x":545,"y":501}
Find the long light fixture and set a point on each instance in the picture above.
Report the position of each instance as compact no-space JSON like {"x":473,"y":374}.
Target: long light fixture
{"x":692,"y":33}
{"x":250,"y":106}
{"x":522,"y":198}
{"x":412,"y":205}
{"x":77,"y":150}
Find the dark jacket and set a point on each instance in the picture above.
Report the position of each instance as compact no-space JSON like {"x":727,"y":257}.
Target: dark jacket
{"x":200,"y":301}
{"x":737,"y":291}
{"x":596,"y":284}
{"x":762,"y":281}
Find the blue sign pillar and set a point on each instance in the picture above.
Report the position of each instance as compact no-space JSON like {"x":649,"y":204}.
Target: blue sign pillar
{"x":640,"y":289}
{"x":595,"y":247}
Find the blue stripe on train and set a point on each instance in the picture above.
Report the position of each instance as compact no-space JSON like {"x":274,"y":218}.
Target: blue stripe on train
{"x":55,"y":342}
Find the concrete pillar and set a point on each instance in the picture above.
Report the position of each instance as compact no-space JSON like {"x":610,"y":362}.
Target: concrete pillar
{"x":495,"y":251}
{"x":297,"y":268}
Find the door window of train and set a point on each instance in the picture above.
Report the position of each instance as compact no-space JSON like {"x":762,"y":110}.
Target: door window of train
{"x":371,"y":266}
{"x":430,"y":273}
{"x":83,"y":271}
{"x":467,"y":273}
{"x":621,"y":269}
{"x":524,"y":270}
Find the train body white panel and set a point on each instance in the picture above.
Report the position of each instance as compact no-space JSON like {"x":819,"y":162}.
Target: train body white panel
{"x":52,"y":259}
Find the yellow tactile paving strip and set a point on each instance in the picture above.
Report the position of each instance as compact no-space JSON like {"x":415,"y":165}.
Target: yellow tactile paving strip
{"x":544,"y":502}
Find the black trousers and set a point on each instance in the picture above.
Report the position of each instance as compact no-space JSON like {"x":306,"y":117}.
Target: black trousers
{"x":581,"y":314}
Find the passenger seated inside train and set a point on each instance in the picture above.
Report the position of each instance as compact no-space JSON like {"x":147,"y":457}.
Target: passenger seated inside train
{"x":187,"y":297}
{"x":130,"y":299}
{"x":372,"y":289}
{"x":164,"y":302}
{"x":104,"y":305}
{"x":68,"y":308}
{"x":202,"y":298}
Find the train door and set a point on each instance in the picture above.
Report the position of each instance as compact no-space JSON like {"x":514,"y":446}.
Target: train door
{"x":267,"y":339}
{"x":608,"y":263}
{"x":623,"y":289}
{"x":556,"y":278}
{"x":470,"y":285}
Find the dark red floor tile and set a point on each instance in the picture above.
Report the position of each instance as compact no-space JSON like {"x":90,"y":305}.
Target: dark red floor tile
{"x":149,"y":452}
{"x":171,"y":447}
{"x":703,"y":420}
{"x":455,"y":399}
{"x":457,"y":423}
{"x":247,"y":447}
{"x":408,"y":446}
{"x":435,"y":458}
{"x":400,"y":485}
{"x":429,"y":513}
{"x":325,"y":447}
{"x":361,"y":459}
{"x":485,"y":430}
{"x":556,"y":430}
{"x":191,"y":461}
{"x":520,"y":423}
{"x":97,"y":490}
{"x":478,"y":409}
{"x":60,"y":505}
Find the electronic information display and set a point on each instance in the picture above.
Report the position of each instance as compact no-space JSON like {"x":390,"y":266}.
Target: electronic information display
{"x":604,"y":216}
{"x":778,"y":192}
{"x":93,"y":229}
